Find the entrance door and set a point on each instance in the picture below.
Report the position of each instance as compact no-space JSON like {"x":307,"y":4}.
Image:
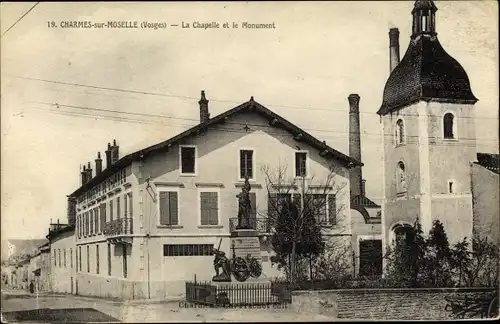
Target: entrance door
{"x":370,"y":258}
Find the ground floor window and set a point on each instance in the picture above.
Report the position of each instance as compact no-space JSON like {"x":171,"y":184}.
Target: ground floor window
{"x":187,"y":249}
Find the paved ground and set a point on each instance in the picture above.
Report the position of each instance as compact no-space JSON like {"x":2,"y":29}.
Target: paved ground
{"x":143,"y":312}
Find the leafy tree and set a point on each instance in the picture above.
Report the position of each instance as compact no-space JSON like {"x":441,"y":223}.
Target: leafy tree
{"x":438,"y":264}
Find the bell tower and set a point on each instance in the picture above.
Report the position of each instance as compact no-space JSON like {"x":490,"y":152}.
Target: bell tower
{"x":427,"y":122}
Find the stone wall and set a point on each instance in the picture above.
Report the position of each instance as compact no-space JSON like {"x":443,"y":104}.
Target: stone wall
{"x":379,"y":304}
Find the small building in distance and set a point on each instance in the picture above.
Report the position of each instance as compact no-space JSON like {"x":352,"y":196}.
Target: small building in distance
{"x":63,"y":259}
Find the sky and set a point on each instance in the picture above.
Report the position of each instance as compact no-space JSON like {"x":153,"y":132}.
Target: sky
{"x":304,"y":70}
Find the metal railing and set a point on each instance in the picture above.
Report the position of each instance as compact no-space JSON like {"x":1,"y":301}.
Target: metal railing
{"x":120,"y":226}
{"x":261,"y":225}
{"x":235,"y":295}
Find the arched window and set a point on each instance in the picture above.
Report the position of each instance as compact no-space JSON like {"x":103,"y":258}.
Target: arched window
{"x":400,"y":132}
{"x":448,"y":125}
{"x":401,"y":178}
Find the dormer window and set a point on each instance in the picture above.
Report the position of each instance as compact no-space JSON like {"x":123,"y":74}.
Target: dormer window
{"x":449,"y":126}
{"x":400,"y":132}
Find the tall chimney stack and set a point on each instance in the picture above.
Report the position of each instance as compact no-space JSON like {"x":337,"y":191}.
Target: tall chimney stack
{"x":98,"y":164}
{"x":108,"y":156}
{"x":114,"y":153}
{"x":84,"y":175}
{"x":204,"y":114}
{"x":355,"y":174}
{"x":89,"y":172}
{"x":393,"y":48}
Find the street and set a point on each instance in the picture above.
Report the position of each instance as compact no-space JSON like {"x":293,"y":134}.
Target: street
{"x":100,"y":310}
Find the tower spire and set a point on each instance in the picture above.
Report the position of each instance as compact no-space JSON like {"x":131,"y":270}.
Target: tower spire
{"x":424,"y":18}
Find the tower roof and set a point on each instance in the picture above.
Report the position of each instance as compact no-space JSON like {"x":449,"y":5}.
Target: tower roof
{"x":426,"y":72}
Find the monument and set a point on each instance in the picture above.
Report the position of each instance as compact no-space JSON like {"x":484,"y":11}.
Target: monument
{"x":245,"y":246}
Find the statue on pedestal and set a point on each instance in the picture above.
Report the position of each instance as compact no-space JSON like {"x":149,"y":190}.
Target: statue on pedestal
{"x":245,"y":206}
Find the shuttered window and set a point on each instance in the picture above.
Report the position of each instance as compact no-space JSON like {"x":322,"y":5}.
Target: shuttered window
{"x":97,"y":259}
{"x":91,"y":216}
{"x":246,"y":164}
{"x":109,"y":259}
{"x":118,"y":208}
{"x":71,"y":257}
{"x":96,"y":220}
{"x":110,"y":210}
{"x":169,"y":211}
{"x":131,"y":214}
{"x":125,"y":206}
{"x":332,"y":209}
{"x":102,"y":214}
{"x":88,"y":259}
{"x":209,"y":208}
{"x":188,"y":160}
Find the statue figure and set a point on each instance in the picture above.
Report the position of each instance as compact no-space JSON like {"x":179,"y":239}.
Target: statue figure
{"x":245,"y":206}
{"x":221,"y":262}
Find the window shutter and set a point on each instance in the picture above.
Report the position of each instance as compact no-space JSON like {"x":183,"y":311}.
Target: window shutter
{"x":164,"y":208}
{"x":125,"y":206}
{"x":118,"y":211}
{"x":103,"y":216}
{"x":173,"y":208}
{"x":131,"y":205}
{"x":297,"y":164}
{"x":203,"y":205}
{"x":332,"y":210}
{"x":214,"y":219}
{"x":111,"y":210}
{"x":91,"y":226}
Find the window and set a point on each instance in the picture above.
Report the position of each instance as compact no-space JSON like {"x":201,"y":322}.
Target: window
{"x":88,"y":259}
{"x":80,"y":257}
{"x":246,"y":164}
{"x":450,"y":186}
{"x":64,"y":258}
{"x":188,"y":249}
{"x":55,"y":258}
{"x":71,"y":258}
{"x":169,"y":211}
{"x":188,"y":159}
{"x":125,"y":207}
{"x":448,"y":126}
{"x":300,"y":164}
{"x":76,"y":259}
{"x":118,"y":211}
{"x":91,"y":219}
{"x":59,"y":253}
{"x":103,"y":216}
{"x":401,"y":178}
{"x":111,"y":210}
{"x":400,"y":132}
{"x":97,"y":259}
{"x":209,"y":205}
{"x":130,"y":201}
{"x":96,"y":220}
{"x":109,"y":259}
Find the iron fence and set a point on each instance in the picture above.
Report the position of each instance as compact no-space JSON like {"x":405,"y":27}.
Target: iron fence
{"x":237,"y":294}
{"x":118,"y":226}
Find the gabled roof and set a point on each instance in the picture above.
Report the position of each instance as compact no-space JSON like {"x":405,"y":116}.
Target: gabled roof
{"x":250,"y":105}
{"x":489,"y":161}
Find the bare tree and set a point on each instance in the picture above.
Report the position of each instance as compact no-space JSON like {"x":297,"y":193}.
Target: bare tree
{"x":311,"y":196}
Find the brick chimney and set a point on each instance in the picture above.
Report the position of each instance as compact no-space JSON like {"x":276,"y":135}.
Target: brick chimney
{"x":393,"y":48}
{"x":108,"y":156}
{"x":114,"y":153}
{"x":84,"y":175}
{"x":204,"y":114}
{"x":89,"y":172}
{"x":98,"y":164}
{"x":355,"y":174}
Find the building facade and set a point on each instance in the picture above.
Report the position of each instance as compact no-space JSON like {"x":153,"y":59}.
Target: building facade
{"x":62,"y":260}
{"x":151,"y":219}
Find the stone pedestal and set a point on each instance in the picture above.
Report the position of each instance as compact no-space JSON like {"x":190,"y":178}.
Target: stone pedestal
{"x":246,"y":241}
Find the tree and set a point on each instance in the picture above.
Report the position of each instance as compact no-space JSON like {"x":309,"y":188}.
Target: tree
{"x":297,"y":209}
{"x":438,"y":264}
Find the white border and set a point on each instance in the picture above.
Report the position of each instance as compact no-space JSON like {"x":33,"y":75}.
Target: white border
{"x":195,"y":161}
{"x":200,"y":190}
